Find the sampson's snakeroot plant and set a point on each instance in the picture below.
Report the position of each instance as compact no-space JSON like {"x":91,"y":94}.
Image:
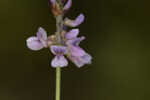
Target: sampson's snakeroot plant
{"x":64,"y":43}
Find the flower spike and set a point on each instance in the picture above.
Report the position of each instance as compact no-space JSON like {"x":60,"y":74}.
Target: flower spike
{"x":64,"y":42}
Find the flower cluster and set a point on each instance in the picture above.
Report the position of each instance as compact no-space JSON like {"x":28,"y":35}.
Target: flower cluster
{"x":70,"y":41}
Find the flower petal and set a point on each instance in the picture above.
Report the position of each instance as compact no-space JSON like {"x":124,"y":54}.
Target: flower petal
{"x":72,"y":34}
{"x":82,"y":60}
{"x":87,"y":58}
{"x":77,"y":61}
{"x":41,"y":34}
{"x":78,"y":40}
{"x":75,"y":41}
{"x":76,"y":22}
{"x":33,"y":43}
{"x":53,"y":2}
{"x":68,"y":5}
{"x":58,"y":50}
{"x":77,"y":51}
{"x":59,"y":61}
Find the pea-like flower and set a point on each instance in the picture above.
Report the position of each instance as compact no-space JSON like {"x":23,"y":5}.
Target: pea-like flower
{"x":76,"y":54}
{"x":59,"y":60}
{"x":39,"y":41}
{"x":74,"y":23}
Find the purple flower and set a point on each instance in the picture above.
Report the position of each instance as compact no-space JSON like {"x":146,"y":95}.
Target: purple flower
{"x":68,"y":5}
{"x":80,"y":61}
{"x":53,"y":2}
{"x":75,"y":41}
{"x":59,"y":60}
{"x":72,"y":34}
{"x":37,"y":42}
{"x":74,"y":23}
{"x":76,"y":54}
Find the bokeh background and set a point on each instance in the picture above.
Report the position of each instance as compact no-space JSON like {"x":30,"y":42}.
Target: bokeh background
{"x":118,"y":38}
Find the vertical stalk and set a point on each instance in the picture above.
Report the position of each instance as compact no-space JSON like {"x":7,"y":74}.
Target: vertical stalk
{"x":58,"y":83}
{"x":59,"y":25}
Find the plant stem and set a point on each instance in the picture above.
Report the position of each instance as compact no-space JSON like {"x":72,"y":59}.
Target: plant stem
{"x":59,"y":25}
{"x":58,"y":83}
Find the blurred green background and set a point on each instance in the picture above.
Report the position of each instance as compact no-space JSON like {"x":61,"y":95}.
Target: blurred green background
{"x":118,"y":38}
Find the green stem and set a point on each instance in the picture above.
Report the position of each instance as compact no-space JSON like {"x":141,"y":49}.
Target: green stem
{"x":59,"y":25}
{"x":58,"y":83}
